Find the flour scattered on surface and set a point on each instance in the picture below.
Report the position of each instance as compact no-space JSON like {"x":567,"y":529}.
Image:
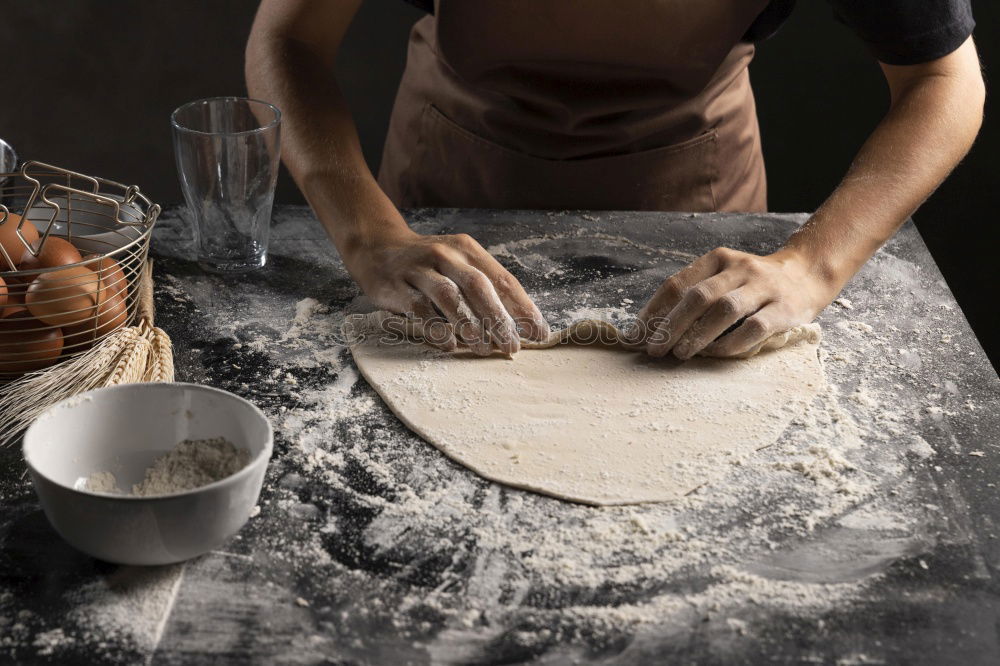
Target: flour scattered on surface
{"x":48,"y":642}
{"x":489,"y":556}
{"x":305,"y":310}
{"x":399,"y":551}
{"x":512,"y":552}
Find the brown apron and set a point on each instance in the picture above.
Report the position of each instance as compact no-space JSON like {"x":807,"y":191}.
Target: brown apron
{"x":585,"y":104}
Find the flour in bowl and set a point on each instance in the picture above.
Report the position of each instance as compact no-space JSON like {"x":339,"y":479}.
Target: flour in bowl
{"x":191,"y":464}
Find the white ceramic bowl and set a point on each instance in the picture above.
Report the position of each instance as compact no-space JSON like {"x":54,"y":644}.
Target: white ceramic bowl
{"x":122,"y":429}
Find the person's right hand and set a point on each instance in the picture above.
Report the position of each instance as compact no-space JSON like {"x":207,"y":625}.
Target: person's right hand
{"x":450,"y":286}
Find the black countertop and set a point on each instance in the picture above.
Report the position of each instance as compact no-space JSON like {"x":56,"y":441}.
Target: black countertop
{"x":867,"y":534}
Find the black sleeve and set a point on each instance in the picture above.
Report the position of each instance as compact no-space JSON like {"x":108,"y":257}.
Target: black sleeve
{"x":426,"y":5}
{"x":908,"y":32}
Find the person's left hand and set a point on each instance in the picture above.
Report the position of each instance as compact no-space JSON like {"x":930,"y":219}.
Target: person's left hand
{"x":695,"y":306}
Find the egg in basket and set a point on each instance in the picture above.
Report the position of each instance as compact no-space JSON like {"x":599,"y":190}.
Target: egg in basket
{"x":72,"y":250}
{"x":76,"y":291}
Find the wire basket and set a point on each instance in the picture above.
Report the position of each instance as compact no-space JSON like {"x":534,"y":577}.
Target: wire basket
{"x":72,"y":250}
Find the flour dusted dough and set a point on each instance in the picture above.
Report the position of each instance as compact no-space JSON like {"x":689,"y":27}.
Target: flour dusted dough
{"x":589,"y":331}
{"x":592,"y":423}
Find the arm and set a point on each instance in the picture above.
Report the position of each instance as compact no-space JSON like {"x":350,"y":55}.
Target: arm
{"x":290,"y":61}
{"x":936,"y":111}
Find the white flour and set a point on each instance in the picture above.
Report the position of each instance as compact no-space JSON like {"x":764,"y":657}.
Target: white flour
{"x":485,"y":558}
{"x":102,"y":482}
{"x":814,"y":479}
{"x":191,"y":464}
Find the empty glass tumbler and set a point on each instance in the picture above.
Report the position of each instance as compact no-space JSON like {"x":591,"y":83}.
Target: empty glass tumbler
{"x":227,"y":152}
{"x":8,"y":158}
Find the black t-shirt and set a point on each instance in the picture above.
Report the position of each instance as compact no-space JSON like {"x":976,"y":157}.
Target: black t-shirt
{"x":897,"y":32}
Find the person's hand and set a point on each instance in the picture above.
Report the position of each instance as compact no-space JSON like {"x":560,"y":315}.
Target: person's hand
{"x":692,"y":308}
{"x":455,"y":291}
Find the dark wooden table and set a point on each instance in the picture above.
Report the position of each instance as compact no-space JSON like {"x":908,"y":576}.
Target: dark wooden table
{"x":869,"y":536}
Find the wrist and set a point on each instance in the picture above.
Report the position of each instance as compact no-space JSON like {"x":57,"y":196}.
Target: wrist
{"x":821,"y":266}
{"x":830,"y":253}
{"x":357,"y":215}
{"x":361,"y":235}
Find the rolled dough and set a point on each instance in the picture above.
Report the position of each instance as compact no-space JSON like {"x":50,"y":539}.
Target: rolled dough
{"x":593,"y":423}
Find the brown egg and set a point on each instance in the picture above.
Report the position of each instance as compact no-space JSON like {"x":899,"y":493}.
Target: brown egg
{"x":77,"y":339}
{"x":27,"y":344}
{"x":3,"y":294}
{"x":15,"y":301}
{"x":64,"y":297}
{"x":112,"y":276}
{"x":10,"y":241}
{"x":55,"y":252}
{"x":112,"y":314}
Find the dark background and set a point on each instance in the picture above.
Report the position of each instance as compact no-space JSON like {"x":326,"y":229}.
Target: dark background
{"x":89,"y":84}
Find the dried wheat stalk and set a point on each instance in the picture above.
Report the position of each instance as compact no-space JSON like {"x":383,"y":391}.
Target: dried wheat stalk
{"x":139,"y":353}
{"x":161,"y":358}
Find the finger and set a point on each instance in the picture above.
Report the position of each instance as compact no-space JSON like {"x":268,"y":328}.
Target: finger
{"x":527,"y":317}
{"x":434,"y":328}
{"x":485,"y":303}
{"x":754,"y":330}
{"x":447,"y":297}
{"x":421,"y":319}
{"x":725,"y":312}
{"x":670,"y":293}
{"x":693,"y":304}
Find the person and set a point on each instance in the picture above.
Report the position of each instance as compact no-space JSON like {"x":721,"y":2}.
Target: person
{"x":589,"y":104}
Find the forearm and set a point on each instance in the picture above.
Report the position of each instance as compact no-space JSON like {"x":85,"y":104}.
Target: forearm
{"x":320,"y":144}
{"x":931,"y":124}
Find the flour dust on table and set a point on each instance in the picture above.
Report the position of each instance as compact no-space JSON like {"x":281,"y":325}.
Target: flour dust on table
{"x":876,"y":506}
{"x":581,"y":418}
{"x":405,"y":556}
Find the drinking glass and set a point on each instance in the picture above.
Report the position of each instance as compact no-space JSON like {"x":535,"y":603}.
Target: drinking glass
{"x":227,"y":159}
{"x":8,"y":163}
{"x":8,"y":158}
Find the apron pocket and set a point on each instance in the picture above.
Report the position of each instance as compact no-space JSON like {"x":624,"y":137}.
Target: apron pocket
{"x":455,"y":167}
